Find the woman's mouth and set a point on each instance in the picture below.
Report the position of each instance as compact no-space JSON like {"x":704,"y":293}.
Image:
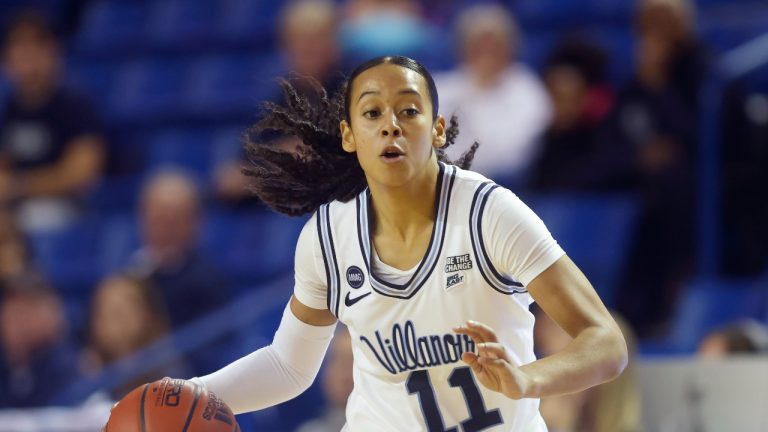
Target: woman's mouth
{"x":392,"y":153}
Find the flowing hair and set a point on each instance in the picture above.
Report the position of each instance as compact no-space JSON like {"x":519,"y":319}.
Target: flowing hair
{"x":319,"y":171}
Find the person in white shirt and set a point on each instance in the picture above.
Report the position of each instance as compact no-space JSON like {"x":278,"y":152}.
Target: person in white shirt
{"x":432,"y":268}
{"x":498,"y":100}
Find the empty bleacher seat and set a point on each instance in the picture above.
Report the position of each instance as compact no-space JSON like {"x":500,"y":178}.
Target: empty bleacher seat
{"x":251,"y":246}
{"x":93,"y":78}
{"x":181,"y":25}
{"x":115,"y":194}
{"x":113,"y":28}
{"x":247,"y":23}
{"x":227,"y":144}
{"x":68,"y":256}
{"x":189,"y":149}
{"x":724,"y":27}
{"x":560,"y":13}
{"x":229,"y":87}
{"x":706,"y":305}
{"x":619,"y":46}
{"x":119,"y":239}
{"x":147,"y":91}
{"x":594,"y":231}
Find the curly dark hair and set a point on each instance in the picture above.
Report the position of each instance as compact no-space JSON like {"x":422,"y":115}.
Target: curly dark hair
{"x":296,"y":183}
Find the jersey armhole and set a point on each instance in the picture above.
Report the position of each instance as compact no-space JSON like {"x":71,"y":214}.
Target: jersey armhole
{"x":328,"y":250}
{"x":492,"y":276}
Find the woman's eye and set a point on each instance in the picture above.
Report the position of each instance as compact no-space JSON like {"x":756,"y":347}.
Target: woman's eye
{"x":371,"y":114}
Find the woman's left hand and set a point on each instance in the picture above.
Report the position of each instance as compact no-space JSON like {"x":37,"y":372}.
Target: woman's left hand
{"x":491,"y":364}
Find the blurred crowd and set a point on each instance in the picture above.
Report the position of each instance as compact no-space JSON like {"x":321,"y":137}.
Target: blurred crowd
{"x":562,"y":126}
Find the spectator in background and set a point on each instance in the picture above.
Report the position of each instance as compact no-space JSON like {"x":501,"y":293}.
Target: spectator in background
{"x":745,"y":337}
{"x":372,"y":28}
{"x":14,"y":249}
{"x":337,"y":385}
{"x":308,"y":42}
{"x":127,"y":314}
{"x":654,"y":120}
{"x":310,"y":51}
{"x":678,"y":61}
{"x":36,"y":359}
{"x":499,"y":101}
{"x":670,"y":52}
{"x":51,"y":140}
{"x":574,"y":158}
{"x":611,"y":407}
{"x":191,"y":285}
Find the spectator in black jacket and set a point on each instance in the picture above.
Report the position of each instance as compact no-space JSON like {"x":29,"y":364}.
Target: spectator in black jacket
{"x":51,"y":139}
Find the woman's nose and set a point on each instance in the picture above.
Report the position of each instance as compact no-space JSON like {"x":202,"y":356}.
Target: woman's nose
{"x":391,"y":128}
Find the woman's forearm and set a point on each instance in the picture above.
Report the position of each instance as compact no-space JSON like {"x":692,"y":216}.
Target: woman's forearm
{"x":596,"y":355}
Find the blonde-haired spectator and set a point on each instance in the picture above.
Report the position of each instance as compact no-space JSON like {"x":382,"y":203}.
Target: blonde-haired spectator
{"x":499,"y":101}
{"x":127,"y":314}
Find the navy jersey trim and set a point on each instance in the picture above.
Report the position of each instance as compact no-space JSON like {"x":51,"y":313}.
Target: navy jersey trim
{"x":427,"y":265}
{"x":329,"y":258}
{"x":487,"y":270}
{"x":362,"y":222}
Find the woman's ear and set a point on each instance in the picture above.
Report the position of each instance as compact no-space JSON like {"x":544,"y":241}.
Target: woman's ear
{"x":347,"y":138}
{"x":438,"y":132}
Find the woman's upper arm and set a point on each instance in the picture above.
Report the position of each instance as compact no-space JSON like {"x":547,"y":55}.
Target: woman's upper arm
{"x":311,"y":316}
{"x":564,"y":293}
{"x":522,"y":246}
{"x":309,"y":301}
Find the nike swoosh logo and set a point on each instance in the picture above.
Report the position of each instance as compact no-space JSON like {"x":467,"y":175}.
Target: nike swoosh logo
{"x":350,"y":301}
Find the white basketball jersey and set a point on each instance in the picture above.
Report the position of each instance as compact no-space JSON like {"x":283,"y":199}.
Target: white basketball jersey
{"x":408,"y":371}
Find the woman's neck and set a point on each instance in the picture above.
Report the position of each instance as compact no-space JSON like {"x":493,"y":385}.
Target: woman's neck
{"x":404,"y":211}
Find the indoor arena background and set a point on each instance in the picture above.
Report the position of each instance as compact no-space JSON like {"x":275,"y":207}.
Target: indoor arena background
{"x":130,"y":249}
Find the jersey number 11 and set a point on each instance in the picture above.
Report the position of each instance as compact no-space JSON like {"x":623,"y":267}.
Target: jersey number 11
{"x":479,"y":418}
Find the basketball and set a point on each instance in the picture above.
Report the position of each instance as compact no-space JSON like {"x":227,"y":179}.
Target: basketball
{"x":171,"y":405}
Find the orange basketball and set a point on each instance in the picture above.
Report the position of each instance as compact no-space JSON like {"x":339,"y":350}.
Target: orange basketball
{"x":171,"y":405}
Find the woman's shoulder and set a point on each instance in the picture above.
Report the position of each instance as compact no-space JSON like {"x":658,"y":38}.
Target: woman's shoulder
{"x":479,"y":188}
{"x":467,"y":179}
{"x":337,"y":210}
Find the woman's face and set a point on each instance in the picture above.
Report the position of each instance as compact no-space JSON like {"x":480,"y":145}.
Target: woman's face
{"x":391,"y":127}
{"x":120,"y":317}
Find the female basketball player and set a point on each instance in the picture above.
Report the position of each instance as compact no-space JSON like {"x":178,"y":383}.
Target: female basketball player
{"x":431,"y":267}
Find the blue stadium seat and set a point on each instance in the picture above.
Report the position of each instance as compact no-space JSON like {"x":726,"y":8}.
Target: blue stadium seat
{"x":618,"y":44}
{"x":93,"y":78}
{"x":147,"y":91}
{"x":119,"y":239}
{"x":67,"y":256}
{"x":559,"y":13}
{"x":189,"y":149}
{"x":182,"y":25}
{"x":251,"y":246}
{"x":706,"y":305}
{"x":247,"y":23}
{"x":113,"y":28}
{"x":229,"y":87}
{"x":536,"y":47}
{"x":114,"y":194}
{"x":594,"y":231}
{"x":228,"y":144}
{"x":723,"y":30}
